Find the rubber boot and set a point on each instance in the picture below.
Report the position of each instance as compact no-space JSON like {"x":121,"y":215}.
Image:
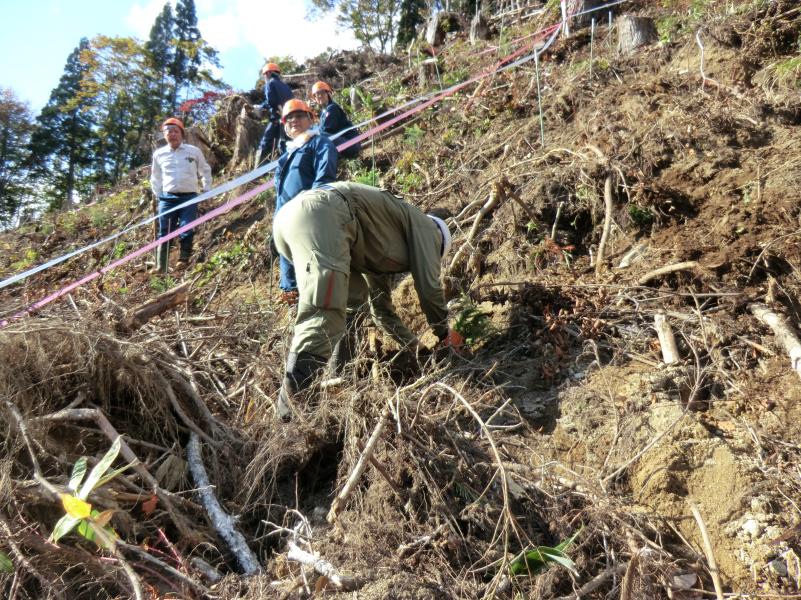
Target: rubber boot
{"x":186,"y":253}
{"x":162,"y":258}
{"x":345,"y":348}
{"x":301,"y":370}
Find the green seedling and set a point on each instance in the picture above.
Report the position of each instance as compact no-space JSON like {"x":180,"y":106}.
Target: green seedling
{"x":91,"y":524}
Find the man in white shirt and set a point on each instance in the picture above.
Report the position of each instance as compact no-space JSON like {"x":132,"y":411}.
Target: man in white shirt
{"x":174,"y":176}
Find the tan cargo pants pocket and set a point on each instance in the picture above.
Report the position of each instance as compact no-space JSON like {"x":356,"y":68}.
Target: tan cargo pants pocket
{"x":322,"y":287}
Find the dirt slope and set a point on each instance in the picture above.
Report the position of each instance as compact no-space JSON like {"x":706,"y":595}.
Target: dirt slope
{"x":560,"y":420}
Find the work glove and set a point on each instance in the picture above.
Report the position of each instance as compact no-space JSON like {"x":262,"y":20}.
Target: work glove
{"x":258,"y":111}
{"x":289,"y":297}
{"x":454,"y":341}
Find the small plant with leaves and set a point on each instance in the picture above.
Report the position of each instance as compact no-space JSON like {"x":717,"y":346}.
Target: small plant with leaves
{"x":413,"y":136}
{"x":367,"y":177}
{"x":162,"y":283}
{"x":472,"y":323}
{"x":641,"y":217}
{"x":537,"y":560}
{"x":91,"y":524}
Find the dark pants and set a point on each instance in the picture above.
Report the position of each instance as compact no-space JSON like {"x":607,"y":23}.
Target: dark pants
{"x":274,"y":138}
{"x":179,"y":218}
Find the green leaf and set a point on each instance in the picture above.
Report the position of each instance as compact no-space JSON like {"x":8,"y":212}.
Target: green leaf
{"x":553,"y":555}
{"x":6,"y":566}
{"x":106,"y":478}
{"x":63,"y":527}
{"x":540,"y":558}
{"x":85,"y":529}
{"x":78,"y":472}
{"x":100,"y":469}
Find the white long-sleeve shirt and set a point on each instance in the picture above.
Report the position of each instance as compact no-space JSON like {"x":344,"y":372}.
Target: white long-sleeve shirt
{"x":177,"y":171}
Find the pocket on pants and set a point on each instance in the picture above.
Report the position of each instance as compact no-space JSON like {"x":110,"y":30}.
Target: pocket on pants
{"x":322,"y":287}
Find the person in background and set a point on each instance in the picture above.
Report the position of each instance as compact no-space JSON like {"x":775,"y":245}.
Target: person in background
{"x":310,"y":161}
{"x":347,"y":239}
{"x":333,"y":119}
{"x":177,"y":171}
{"x":276,"y":93}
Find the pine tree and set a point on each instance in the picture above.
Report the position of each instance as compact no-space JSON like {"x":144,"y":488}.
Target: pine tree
{"x":61,"y":143}
{"x":16,"y":123}
{"x":161,"y":54}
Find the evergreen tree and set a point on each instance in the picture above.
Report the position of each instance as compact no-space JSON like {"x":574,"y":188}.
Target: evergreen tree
{"x":411,"y":16}
{"x":186,"y":58}
{"x":160,"y":54}
{"x":115,"y":80}
{"x":62,"y":140}
{"x":16,"y":123}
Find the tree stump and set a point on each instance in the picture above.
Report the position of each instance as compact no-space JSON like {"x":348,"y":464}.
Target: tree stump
{"x":584,"y":19}
{"x":634,"y":32}
{"x":442,"y":23}
{"x":428,"y":72}
{"x":479,"y":29}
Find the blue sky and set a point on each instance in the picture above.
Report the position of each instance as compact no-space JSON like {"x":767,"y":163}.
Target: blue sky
{"x":36,"y":36}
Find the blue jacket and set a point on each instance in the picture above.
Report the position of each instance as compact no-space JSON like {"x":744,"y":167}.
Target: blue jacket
{"x":276,"y":92}
{"x":333,"y":120}
{"x":300,"y":169}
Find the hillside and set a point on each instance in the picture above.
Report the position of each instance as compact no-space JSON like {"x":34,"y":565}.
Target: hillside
{"x":560,"y":422}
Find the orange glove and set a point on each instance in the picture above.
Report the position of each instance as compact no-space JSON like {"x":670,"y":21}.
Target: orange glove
{"x":289,"y":298}
{"x":454,"y":340}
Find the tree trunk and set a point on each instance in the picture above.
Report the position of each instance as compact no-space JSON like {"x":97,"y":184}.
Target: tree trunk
{"x":428,"y":72}
{"x":479,"y":29}
{"x":580,"y":6}
{"x":633,"y":32}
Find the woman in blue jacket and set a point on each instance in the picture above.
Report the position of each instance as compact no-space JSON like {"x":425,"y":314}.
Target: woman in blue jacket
{"x":333,"y":119}
{"x":310,"y":161}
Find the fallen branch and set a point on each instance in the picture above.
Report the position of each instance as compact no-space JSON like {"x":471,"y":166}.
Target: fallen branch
{"x":361,"y":464}
{"x":222,"y":521}
{"x":595,"y":583}
{"x":608,"y":208}
{"x":784,"y":334}
{"x":682,"y":266}
{"x":323,"y":567}
{"x":710,"y":556}
{"x":495,"y":196}
{"x":161,"y":303}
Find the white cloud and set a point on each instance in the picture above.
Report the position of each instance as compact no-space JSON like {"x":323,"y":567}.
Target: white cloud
{"x":141,"y":16}
{"x":273,"y":27}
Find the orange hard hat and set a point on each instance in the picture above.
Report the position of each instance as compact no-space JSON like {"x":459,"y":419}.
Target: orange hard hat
{"x":270,"y":67}
{"x":173,"y":121}
{"x":294,"y":105}
{"x":321,"y":86}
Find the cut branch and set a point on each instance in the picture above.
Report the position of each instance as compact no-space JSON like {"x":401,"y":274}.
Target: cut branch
{"x":682,"y":266}
{"x":323,"y":567}
{"x":162,"y":303}
{"x":784,"y":334}
{"x":361,"y":464}
{"x":222,"y":521}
